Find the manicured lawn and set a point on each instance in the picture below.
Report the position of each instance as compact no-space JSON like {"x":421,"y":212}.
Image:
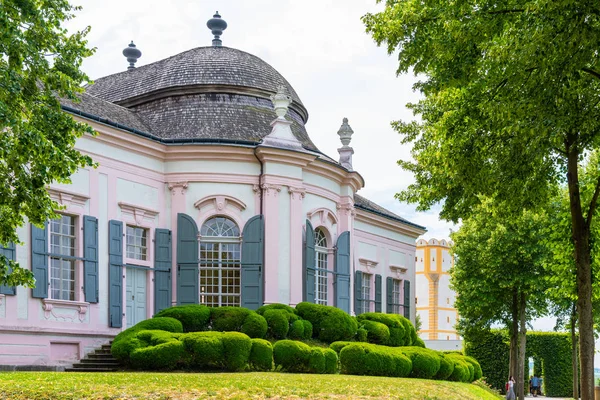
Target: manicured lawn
{"x":258,"y":385}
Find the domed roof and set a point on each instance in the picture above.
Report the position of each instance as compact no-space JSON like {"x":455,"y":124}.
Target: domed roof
{"x":207,"y":69}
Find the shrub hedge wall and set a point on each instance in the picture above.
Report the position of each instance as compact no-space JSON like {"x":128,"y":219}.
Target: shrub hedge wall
{"x":330,"y":324}
{"x":401,"y":331}
{"x":125,"y":342}
{"x":491,"y":349}
{"x":193,"y":317}
{"x":294,"y":356}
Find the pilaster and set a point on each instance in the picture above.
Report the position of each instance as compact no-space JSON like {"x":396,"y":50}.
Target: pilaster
{"x":178,"y":198}
{"x":296,"y":222}
{"x":270,"y":195}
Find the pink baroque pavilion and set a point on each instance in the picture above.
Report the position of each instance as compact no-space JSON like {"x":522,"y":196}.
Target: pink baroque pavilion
{"x":210,"y":191}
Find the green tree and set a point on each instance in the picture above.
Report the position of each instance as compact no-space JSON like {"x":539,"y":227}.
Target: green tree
{"x":39,"y":62}
{"x":498,"y":275}
{"x":510,"y":106}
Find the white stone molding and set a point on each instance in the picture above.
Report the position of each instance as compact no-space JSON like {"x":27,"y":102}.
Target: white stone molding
{"x":137,"y":213}
{"x":346,"y":209}
{"x":270,"y":189}
{"x":324,"y":216}
{"x":368,"y":264}
{"x":2,"y":296}
{"x":398,"y":270}
{"x":295,"y":191}
{"x":67,"y":198}
{"x":175,"y":187}
{"x":80,"y":308}
{"x":220,"y":202}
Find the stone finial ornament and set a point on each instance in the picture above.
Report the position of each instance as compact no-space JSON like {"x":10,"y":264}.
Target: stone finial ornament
{"x":281,"y":133}
{"x":281,"y":101}
{"x":345,"y":133}
{"x":216,"y":26}
{"x":132,"y":53}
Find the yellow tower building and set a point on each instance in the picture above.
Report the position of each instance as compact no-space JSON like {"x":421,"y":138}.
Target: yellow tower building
{"x":434,"y":298}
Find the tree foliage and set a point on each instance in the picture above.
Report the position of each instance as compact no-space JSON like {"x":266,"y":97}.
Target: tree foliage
{"x":510,"y":107}
{"x":39,"y":62}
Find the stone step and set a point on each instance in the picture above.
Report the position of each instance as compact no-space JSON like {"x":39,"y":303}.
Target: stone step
{"x":91,"y":369}
{"x":97,"y":351}
{"x":99,"y":361}
{"x":100,"y":356}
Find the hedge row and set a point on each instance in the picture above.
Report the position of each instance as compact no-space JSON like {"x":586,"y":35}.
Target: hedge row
{"x":330,"y":324}
{"x":293,"y":356}
{"x":551,"y":350}
{"x":388,"y":329}
{"x":230,"y":351}
{"x":410,"y":361}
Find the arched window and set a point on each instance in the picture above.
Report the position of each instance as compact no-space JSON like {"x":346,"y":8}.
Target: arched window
{"x":220,"y":263}
{"x":321,"y":264}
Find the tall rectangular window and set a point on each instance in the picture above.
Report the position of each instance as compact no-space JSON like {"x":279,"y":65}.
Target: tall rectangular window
{"x":62,"y":258}
{"x":137,"y":243}
{"x":397,"y":304}
{"x":321,"y":279}
{"x":368,"y":303}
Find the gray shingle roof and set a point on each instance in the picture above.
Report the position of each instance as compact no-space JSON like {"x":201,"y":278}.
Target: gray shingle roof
{"x":367,"y":205}
{"x":199,"y":66}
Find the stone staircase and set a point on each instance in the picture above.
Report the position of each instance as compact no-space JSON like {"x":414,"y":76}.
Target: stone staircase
{"x":101,"y":360}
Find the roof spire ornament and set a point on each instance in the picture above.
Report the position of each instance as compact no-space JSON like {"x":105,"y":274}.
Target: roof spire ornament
{"x":132,"y":53}
{"x":217,"y":26}
{"x":281,"y":133}
{"x":345,"y":133}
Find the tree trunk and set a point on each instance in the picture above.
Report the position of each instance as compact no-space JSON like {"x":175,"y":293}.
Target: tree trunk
{"x":514,"y":331}
{"x":522,"y":344}
{"x":574,"y":352}
{"x":581,"y":241}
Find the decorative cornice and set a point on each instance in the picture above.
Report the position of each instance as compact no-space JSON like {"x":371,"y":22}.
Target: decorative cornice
{"x":67,"y":198}
{"x":220,"y":202}
{"x":324,"y":215}
{"x":398,"y":270}
{"x":386,"y":223}
{"x":175,"y":187}
{"x":296,"y":192}
{"x":347,"y":209}
{"x":138,"y":213}
{"x":368,"y":264}
{"x":269,"y":189}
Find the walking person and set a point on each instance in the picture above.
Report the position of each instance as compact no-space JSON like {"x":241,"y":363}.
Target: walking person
{"x":535,"y":382}
{"x":510,"y":389}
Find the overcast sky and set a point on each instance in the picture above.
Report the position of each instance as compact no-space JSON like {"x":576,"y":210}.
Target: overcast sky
{"x":320,"y":47}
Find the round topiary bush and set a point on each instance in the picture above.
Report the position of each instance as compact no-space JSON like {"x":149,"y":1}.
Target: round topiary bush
{"x":125,"y":342}
{"x":308,"y":329}
{"x":276,"y":306}
{"x":296,"y":331}
{"x":255,"y":326}
{"x":261,"y":355}
{"x":330,"y":324}
{"x":377,"y":332}
{"x":316,"y":361}
{"x":362,"y":335}
{"x":236,"y":350}
{"x":461,"y":371}
{"x":204,"y":349}
{"x":331,"y":361}
{"x":193,"y":317}
{"x":370,"y":359}
{"x":161,"y":357}
{"x":277,"y":322}
{"x":446,"y":368}
{"x":228,"y":319}
{"x":477,"y":373}
{"x":419,"y":343}
{"x":338,"y":346}
{"x":425,"y":362}
{"x":291,"y":356}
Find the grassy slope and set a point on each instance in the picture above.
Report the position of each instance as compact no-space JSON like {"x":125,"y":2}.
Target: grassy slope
{"x":136,"y":385}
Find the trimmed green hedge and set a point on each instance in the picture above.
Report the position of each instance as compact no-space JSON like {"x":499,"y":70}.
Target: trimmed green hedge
{"x":125,"y":342}
{"x":193,"y":317}
{"x":370,"y":359}
{"x":255,"y":326}
{"x":217,"y":350}
{"x":161,"y":351}
{"x":294,"y":356}
{"x":238,"y":319}
{"x":491,"y":349}
{"x":261,"y":355}
{"x":278,"y":323}
{"x":425,"y":362}
{"x":330,"y":324}
{"x":401,"y":330}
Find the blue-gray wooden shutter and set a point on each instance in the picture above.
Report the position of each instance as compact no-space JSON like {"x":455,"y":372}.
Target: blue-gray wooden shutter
{"x":253,"y":239}
{"x":342,"y":269}
{"x":407,"y":299}
{"x":90,"y":256}
{"x":162,"y":269}
{"x":358,"y":292}
{"x":377,"y":293}
{"x":187,"y":260}
{"x":115,"y":273}
{"x":39,"y":260}
{"x":389,"y":291}
{"x":309,"y":263}
{"x":10,"y":253}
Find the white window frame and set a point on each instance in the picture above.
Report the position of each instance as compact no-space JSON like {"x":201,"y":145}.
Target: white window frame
{"x":321,"y":259}
{"x":71,"y":258}
{"x":366,"y":293}
{"x":397,"y":296}
{"x":218,"y":266}
{"x":144,"y":249}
